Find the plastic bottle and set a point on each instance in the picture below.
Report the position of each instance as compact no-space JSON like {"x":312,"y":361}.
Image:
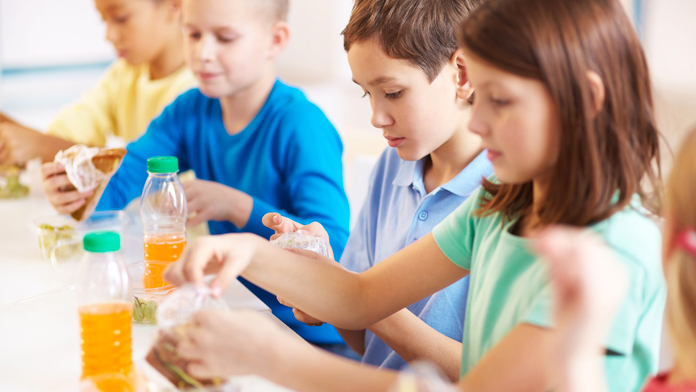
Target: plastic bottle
{"x":164,"y":212}
{"x":105,"y":310}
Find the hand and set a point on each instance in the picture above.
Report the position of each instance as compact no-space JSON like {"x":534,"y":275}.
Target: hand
{"x":18,"y":144}
{"x":225,"y":255}
{"x":213,"y":201}
{"x":60,"y":192}
{"x":589,"y":283}
{"x":300,"y":315}
{"x":282,"y":225}
{"x":221,"y":344}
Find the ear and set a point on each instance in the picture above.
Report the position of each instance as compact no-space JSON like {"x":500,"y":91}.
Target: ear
{"x":174,"y":9}
{"x":464,"y":90}
{"x":598,"y":92}
{"x":280,"y":34}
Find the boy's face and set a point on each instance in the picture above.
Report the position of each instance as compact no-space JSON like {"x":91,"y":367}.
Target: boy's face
{"x":517,"y":121}
{"x":415,"y":115}
{"x":138,"y":29}
{"x":227,"y":44}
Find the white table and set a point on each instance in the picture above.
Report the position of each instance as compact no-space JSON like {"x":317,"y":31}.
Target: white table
{"x":39,"y":325}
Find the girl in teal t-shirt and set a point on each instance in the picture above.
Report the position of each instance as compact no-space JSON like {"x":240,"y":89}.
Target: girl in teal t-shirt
{"x":563,"y":104}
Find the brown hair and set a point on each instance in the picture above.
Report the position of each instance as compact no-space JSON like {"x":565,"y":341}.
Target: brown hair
{"x":680,"y":269}
{"x":603,"y":154}
{"x":423,"y":32}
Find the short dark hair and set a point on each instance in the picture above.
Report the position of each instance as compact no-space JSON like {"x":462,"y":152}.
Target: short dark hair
{"x":423,"y":32}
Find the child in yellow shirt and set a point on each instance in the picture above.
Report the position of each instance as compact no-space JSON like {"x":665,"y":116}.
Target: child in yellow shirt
{"x":148,"y":75}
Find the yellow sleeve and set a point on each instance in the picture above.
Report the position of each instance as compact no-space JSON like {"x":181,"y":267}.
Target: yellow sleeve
{"x":91,"y":118}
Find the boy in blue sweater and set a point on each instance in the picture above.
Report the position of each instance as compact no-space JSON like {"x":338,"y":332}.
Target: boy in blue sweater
{"x":255,"y":144}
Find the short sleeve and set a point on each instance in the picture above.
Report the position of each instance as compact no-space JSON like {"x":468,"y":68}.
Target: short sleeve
{"x":455,"y":234}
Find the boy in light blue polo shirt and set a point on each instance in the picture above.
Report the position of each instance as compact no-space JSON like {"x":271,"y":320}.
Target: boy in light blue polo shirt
{"x":397,"y":212}
{"x":420,"y":101}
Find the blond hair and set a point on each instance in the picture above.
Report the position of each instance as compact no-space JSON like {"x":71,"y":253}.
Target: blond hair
{"x":680,"y":269}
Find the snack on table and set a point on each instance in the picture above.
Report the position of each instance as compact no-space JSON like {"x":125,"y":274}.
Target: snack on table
{"x":174,"y":318}
{"x":10,"y":187}
{"x":302,"y":240}
{"x":144,"y":310}
{"x":90,"y":169}
{"x":163,"y":357}
{"x":49,"y":237}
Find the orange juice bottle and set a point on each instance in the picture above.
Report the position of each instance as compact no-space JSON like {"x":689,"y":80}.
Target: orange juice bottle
{"x":164,"y":212}
{"x":105,"y":309}
{"x":160,"y":251}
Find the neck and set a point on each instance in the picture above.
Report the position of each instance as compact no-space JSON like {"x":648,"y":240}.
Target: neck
{"x":241,"y":107}
{"x":170,"y":59}
{"x":451,"y":158}
{"x":682,"y":373}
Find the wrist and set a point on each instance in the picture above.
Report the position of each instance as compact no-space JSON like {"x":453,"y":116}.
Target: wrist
{"x":239,"y":207}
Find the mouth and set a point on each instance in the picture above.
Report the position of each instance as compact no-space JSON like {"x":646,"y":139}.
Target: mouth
{"x":122,"y":53}
{"x":394,"y":141}
{"x":206,"y":76}
{"x":493,"y":155}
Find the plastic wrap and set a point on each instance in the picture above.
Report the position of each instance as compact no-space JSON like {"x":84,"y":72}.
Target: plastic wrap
{"x":302,"y":240}
{"x":79,"y":167}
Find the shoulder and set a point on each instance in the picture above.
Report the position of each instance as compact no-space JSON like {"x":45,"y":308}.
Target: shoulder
{"x":291,"y":106}
{"x":636,"y":237}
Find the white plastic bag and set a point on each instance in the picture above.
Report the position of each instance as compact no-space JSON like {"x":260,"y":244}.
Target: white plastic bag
{"x":80,"y":168}
{"x":302,"y":240}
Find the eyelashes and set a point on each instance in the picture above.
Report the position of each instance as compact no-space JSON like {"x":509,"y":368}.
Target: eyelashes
{"x":387,"y":96}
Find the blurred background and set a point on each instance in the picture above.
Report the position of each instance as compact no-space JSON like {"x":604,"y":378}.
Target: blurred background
{"x":51,"y":51}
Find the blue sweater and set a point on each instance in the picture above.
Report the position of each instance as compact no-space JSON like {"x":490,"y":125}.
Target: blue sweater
{"x":288,"y":159}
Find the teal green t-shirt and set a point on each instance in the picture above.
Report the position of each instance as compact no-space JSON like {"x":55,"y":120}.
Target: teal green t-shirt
{"x":509,"y":286}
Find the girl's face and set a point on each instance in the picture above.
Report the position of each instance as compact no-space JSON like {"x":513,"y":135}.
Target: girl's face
{"x":415,"y":115}
{"x":139,"y":29}
{"x":229,"y":45}
{"x":517,"y":121}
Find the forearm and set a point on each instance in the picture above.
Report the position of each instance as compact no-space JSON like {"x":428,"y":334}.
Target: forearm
{"x":304,"y":368}
{"x":50,"y":147}
{"x":324,"y":290}
{"x":354,"y":339}
{"x":413,"y":339}
{"x":582,"y":372}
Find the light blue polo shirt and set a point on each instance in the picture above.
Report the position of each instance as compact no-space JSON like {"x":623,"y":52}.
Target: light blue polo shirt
{"x":397,"y":211}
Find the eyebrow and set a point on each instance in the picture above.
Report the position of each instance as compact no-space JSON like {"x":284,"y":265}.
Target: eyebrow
{"x":379,"y":80}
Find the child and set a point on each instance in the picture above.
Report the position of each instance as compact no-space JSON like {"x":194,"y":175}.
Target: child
{"x":563,"y":105}
{"x":148,"y":75}
{"x":256,"y":144}
{"x":569,"y":254}
{"x":432,"y":166}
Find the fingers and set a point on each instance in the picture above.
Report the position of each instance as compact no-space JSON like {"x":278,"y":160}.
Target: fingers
{"x":280,"y":224}
{"x":71,"y":207}
{"x":305,"y":318}
{"x":50,"y":169}
{"x":192,"y":264}
{"x":200,"y":217}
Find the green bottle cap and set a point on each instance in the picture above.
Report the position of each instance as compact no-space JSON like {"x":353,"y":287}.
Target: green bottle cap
{"x":163,"y":165}
{"x":102,"y":242}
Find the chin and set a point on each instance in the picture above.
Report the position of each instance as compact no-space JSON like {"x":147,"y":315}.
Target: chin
{"x":408,"y":154}
{"x":210,"y":91}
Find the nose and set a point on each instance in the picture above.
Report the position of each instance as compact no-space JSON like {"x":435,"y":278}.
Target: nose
{"x":205,"y":49}
{"x":111,"y":33}
{"x":477,"y":122}
{"x":380,"y":117}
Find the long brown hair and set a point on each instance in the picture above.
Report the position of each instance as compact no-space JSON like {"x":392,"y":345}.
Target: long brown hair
{"x":423,"y":32}
{"x":603,"y":155}
{"x":680,"y":269}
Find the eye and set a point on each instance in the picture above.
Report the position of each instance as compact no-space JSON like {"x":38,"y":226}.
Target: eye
{"x":195,"y":35}
{"x":500,"y":102}
{"x":226,"y":39}
{"x":121,"y":19}
{"x":393,"y":95}
{"x":366,"y":94}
